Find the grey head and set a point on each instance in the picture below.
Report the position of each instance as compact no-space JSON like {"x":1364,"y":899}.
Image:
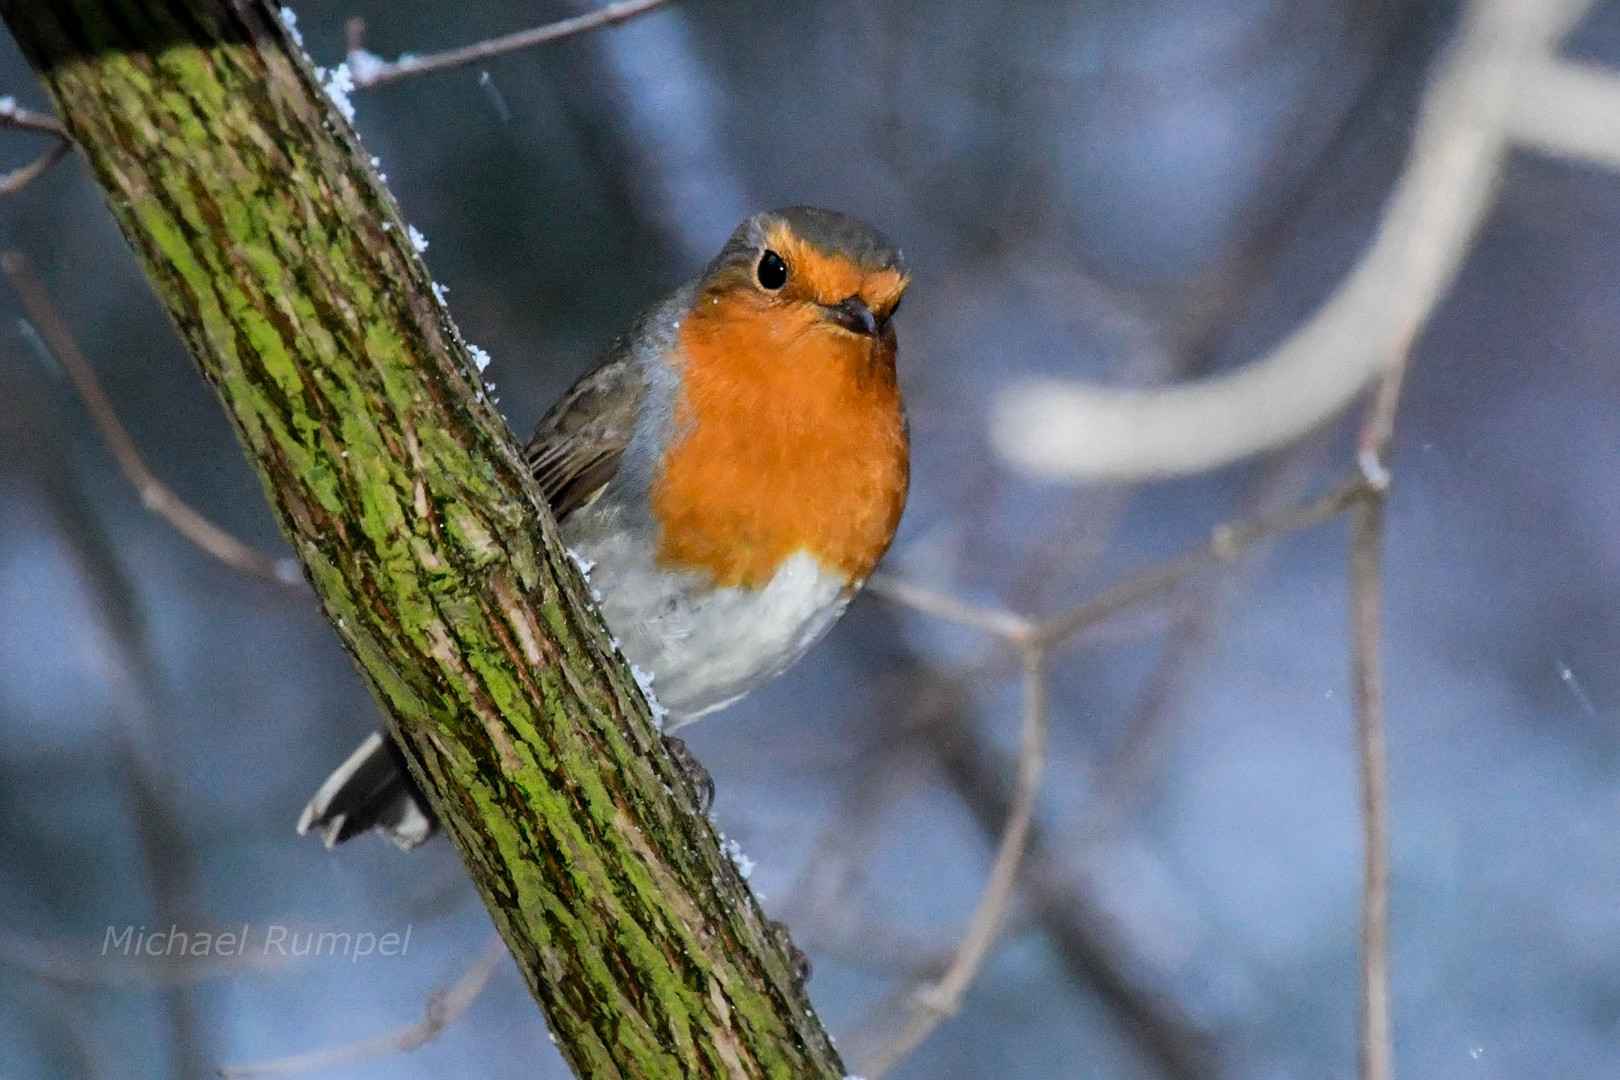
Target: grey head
{"x":826,"y":230}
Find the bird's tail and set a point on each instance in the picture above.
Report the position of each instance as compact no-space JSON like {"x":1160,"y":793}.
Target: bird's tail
{"x":371,"y":790}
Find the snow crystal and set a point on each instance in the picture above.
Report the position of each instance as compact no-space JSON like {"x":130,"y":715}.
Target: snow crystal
{"x":585,"y":567}
{"x":365,"y":65}
{"x":480,"y":357}
{"x":338,"y":84}
{"x":644,"y":679}
{"x":418,"y":241}
{"x":289,"y":19}
{"x":734,"y":852}
{"x":440,"y":292}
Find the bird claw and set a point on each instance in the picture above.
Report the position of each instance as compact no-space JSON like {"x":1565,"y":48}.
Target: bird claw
{"x":696,"y":774}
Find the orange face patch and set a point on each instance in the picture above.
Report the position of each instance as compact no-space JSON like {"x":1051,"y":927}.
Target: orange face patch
{"x":788,"y":432}
{"x":827,"y":279}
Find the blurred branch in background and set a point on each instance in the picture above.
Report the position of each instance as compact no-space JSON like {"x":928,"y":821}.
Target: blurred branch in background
{"x":1095,"y":952}
{"x":154,"y":494}
{"x":1119,"y":787}
{"x":444,"y":1007}
{"x":1474,"y":107}
{"x":935,"y":1002}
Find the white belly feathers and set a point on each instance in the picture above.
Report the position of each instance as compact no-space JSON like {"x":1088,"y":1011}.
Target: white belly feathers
{"x":706,"y":647}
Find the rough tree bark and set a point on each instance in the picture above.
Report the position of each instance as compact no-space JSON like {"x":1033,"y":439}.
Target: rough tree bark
{"x":286,"y":266}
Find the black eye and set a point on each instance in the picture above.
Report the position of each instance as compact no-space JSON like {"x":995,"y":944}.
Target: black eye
{"x":772,"y":271}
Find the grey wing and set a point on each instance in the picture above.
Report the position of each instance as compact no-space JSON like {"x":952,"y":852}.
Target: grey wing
{"x":577,"y":446}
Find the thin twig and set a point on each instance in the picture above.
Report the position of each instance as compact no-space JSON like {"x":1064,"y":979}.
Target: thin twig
{"x":20,"y":177}
{"x":933,"y":1004}
{"x":1366,"y":582}
{"x":1122,"y":775}
{"x":1367,"y":688}
{"x":155,"y":495}
{"x":1226,"y":542}
{"x":147,"y":784}
{"x":1014,"y":629}
{"x":1093,"y":948}
{"x":444,"y":1007}
{"x":369,"y":71}
{"x":13,"y":115}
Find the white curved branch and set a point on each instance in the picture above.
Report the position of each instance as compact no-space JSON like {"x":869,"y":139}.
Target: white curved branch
{"x":1571,"y":110}
{"x":1063,"y":429}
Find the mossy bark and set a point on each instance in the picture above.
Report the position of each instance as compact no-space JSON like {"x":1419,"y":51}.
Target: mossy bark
{"x":284,"y":262}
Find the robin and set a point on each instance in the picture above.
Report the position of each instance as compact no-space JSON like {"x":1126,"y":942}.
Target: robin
{"x":729,"y":470}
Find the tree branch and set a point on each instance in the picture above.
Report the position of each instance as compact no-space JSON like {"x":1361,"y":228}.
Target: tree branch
{"x":285,"y":264}
{"x":368,"y":70}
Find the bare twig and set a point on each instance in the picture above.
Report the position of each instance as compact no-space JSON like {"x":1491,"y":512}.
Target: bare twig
{"x":15,"y":116}
{"x":1093,"y":949}
{"x":1367,"y":687}
{"x":1366,"y":582}
{"x":1014,"y":629}
{"x":369,"y":71}
{"x":1122,"y":774}
{"x":166,"y":854}
{"x":933,"y":1004}
{"x":1226,"y":542}
{"x":155,"y":495}
{"x":444,"y":1007}
{"x":20,"y":177}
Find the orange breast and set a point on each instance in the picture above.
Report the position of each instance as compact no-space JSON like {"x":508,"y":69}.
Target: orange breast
{"x":789,"y":436}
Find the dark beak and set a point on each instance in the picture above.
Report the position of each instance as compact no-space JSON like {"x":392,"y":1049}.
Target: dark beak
{"x":854,"y":315}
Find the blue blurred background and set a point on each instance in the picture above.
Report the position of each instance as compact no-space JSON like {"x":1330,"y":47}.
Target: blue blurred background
{"x":1129,"y":191}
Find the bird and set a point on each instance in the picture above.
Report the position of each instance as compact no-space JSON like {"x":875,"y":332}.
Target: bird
{"x":729,"y":471}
